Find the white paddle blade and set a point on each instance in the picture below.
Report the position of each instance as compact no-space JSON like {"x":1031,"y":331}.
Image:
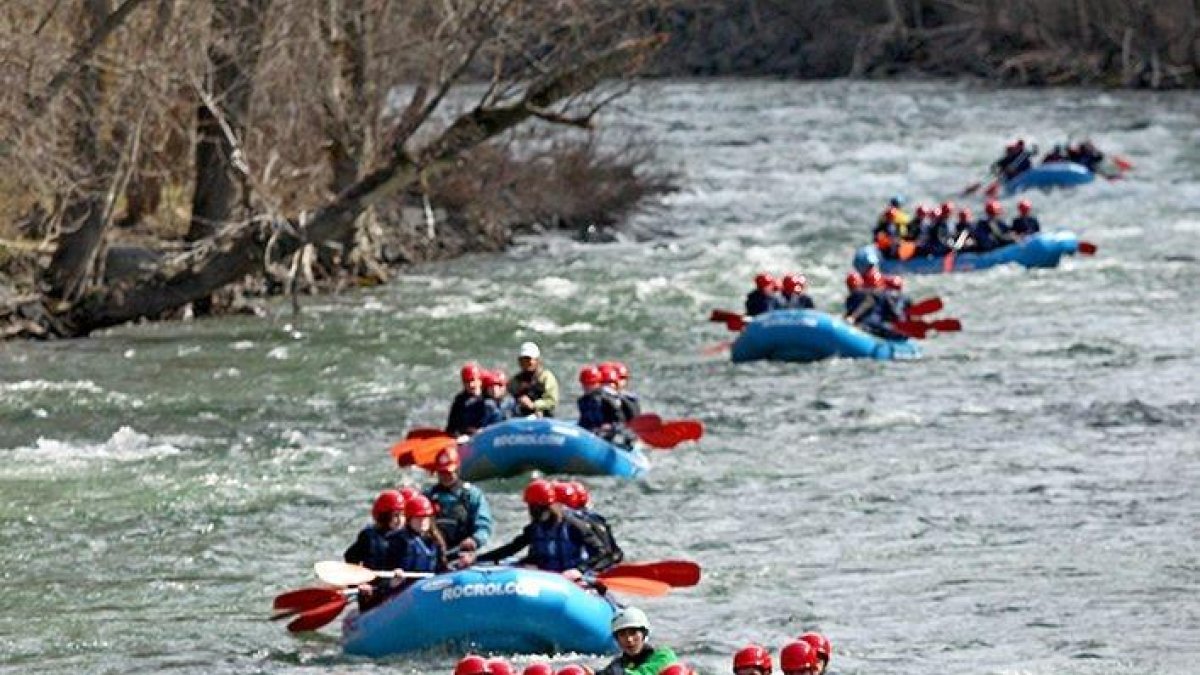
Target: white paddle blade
{"x":343,"y":574}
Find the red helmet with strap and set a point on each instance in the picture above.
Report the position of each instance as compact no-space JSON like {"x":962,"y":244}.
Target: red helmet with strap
{"x":946,"y":209}
{"x":494,"y":378}
{"x":470,"y":372}
{"x":622,"y":370}
{"x":854,"y":281}
{"x":388,"y":501}
{"x":764,"y":281}
{"x":539,"y":492}
{"x":677,"y":668}
{"x":820,"y":643}
{"x":794,"y":282}
{"x":993,"y":208}
{"x":418,"y":507}
{"x":471,"y":664}
{"x":408,"y":492}
{"x":752,"y":656}
{"x":499,"y":667}
{"x":539,"y":668}
{"x":964,"y":216}
{"x":572,"y":669}
{"x":798,"y":657}
{"x":582,"y":497}
{"x":921,"y":211}
{"x":1024,"y":207}
{"x":872,"y":278}
{"x":608,"y":372}
{"x":564,"y":493}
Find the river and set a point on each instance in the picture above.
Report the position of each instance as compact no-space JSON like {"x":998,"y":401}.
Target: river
{"x":1021,"y":500}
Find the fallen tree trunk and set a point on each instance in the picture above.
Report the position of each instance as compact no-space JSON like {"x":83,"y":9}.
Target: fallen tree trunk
{"x":241,"y":250}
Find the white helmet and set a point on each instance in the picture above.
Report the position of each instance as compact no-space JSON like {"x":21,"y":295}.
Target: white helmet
{"x":630,"y":617}
{"x":530,"y":350}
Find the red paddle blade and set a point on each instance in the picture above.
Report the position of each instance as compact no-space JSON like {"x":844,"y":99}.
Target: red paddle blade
{"x":718,"y":348}
{"x":315,"y":618}
{"x":660,"y":439}
{"x":634,"y":586}
{"x":912,"y":329}
{"x":686,"y":430}
{"x":946,"y":325}
{"x":1122,"y":163}
{"x":646,"y":422}
{"x":926,"y":306}
{"x":1088,"y":248}
{"x":734,"y":321}
{"x":306,"y":598}
{"x":676,"y":573}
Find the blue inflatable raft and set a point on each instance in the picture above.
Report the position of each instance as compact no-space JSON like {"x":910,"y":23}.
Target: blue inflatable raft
{"x":1052,"y":175}
{"x":808,"y":335}
{"x":552,"y":446}
{"x":485,"y":609}
{"x":1041,"y":250}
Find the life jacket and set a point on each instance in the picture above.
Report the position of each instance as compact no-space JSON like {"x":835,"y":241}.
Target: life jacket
{"x":378,"y":555}
{"x":420,"y":554}
{"x":468,"y":413}
{"x":454,"y":517}
{"x":631,"y":405}
{"x":591,"y":410}
{"x":529,"y":384}
{"x":1026,"y":225}
{"x":757,"y":302}
{"x":603,"y":530}
{"x":552,"y":548}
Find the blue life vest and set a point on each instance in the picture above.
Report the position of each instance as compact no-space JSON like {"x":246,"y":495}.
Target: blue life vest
{"x":552,"y":548}
{"x":420,"y":554}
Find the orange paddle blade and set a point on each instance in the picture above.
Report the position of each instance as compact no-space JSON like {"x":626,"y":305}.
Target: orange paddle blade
{"x":633,"y":586}
{"x":420,"y":450}
{"x":677,"y":573}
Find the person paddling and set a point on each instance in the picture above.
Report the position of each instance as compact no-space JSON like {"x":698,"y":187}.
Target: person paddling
{"x":419,"y":546}
{"x":558,"y":539}
{"x":631,"y":403}
{"x":463,"y":515}
{"x":631,"y":629}
{"x":469,"y":411}
{"x":990,"y":232}
{"x":1016,"y":160}
{"x":376,"y":546}
{"x":534,"y":388}
{"x":599,"y":409}
{"x":1025,"y":224}
{"x":791,"y":295}
{"x":500,"y":405}
{"x":762,"y":298}
{"x":574,"y":495}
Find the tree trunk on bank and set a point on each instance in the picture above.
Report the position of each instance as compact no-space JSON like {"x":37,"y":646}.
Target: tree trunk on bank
{"x":237,"y":27}
{"x":235,"y":252}
{"x":85,"y":213}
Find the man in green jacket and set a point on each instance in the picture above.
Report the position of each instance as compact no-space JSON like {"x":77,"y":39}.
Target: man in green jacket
{"x":534,"y":389}
{"x":631,"y":628}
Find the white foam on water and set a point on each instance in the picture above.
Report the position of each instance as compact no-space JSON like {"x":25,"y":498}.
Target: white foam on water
{"x":557,"y":287}
{"x":547,"y":326}
{"x":48,"y":455}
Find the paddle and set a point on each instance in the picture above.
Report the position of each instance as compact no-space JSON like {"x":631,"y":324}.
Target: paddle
{"x":664,"y":435}
{"x":676,"y":573}
{"x":717,"y":348}
{"x":319,"y":616}
{"x":303,"y":599}
{"x":1088,"y":248}
{"x":634,"y":586}
{"x":1122,"y":163}
{"x":925,"y":306}
{"x":339,"y":573}
{"x":919,"y":329}
{"x":973,"y":187}
{"x":734,"y":321}
{"x":420,"y":451}
{"x":948,"y":261}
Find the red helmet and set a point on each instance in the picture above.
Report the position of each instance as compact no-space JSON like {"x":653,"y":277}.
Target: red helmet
{"x":794,"y":282}
{"x":564,"y":493}
{"x":582,"y":497}
{"x":608,"y":372}
{"x":947,"y":209}
{"x":539,"y":493}
{"x":752,"y":656}
{"x":764,"y":281}
{"x":500,"y":667}
{"x":388,"y":501}
{"x":1024,"y":206}
{"x":854,"y":281}
{"x":677,"y":668}
{"x":538,"y":668}
{"x":622,"y":370}
{"x":471,"y":664}
{"x":446,"y":460}
{"x":494,"y":378}
{"x":590,"y":376}
{"x":572,"y":669}
{"x":894,"y":282}
{"x":820,"y":643}
{"x":470,"y":372}
{"x":892,"y":214}
{"x":408,"y":492}
{"x":921,"y":211}
{"x":418,"y":507}
{"x":872,"y":278}
{"x":993,"y":208}
{"x":964,"y":216}
{"x":798,"y":656}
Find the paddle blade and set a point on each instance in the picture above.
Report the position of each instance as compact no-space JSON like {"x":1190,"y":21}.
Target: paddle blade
{"x":420,"y":451}
{"x":946,"y":325}
{"x":425,"y":432}
{"x":1122,"y":163}
{"x":1088,"y":248}
{"x":305,"y":598}
{"x":716,"y":349}
{"x":925,"y":306}
{"x":686,"y":430}
{"x":911,"y":329}
{"x":971,"y":189}
{"x":676,"y":573}
{"x":648,"y":588}
{"x":646,"y":422}
{"x":734,"y":321}
{"x":343,"y":574}
{"x":315,"y":618}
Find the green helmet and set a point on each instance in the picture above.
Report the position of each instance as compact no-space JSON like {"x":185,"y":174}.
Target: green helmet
{"x":630,"y":617}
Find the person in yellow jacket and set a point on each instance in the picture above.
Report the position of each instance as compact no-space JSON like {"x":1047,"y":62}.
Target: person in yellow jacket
{"x":534,"y":388}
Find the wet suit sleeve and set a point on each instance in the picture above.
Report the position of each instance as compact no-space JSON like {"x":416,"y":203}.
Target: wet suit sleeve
{"x":864,"y":308}
{"x":454,"y":422}
{"x":483,"y":518}
{"x":358,"y":551}
{"x":511,"y":548}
